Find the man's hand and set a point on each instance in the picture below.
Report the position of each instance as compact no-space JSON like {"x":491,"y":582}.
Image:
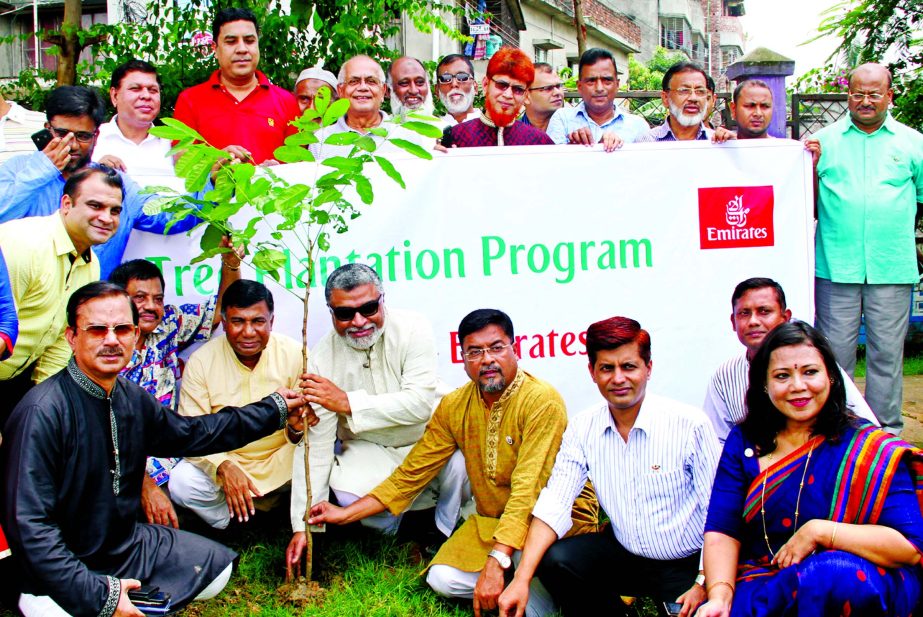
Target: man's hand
{"x":611,"y":141}
{"x":293,"y":555}
{"x":722,"y":134}
{"x":326,"y":512}
{"x":293,"y":399}
{"x":239,"y":154}
{"x":237,"y":491}
{"x":58,"y":150}
{"x":157,"y":506}
{"x":125,"y":608}
{"x":112,"y":161}
{"x":813,"y":146}
{"x":488,"y":588}
{"x":582,"y":136}
{"x":514,"y":599}
{"x":321,"y":391}
{"x":691,"y":600}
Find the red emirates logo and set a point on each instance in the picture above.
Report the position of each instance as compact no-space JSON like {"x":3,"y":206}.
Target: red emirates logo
{"x":735,"y":217}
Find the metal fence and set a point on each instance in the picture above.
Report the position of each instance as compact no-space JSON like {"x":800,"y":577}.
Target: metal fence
{"x":812,"y":112}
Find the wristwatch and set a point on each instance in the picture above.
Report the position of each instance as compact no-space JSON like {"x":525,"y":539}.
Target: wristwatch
{"x":502,"y":558}
{"x":700,"y":579}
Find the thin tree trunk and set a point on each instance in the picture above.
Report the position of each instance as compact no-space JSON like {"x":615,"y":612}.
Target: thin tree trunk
{"x":580,"y":26}
{"x":309,"y":540}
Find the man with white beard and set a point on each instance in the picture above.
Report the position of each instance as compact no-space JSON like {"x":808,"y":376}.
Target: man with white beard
{"x":409,"y":87}
{"x":457,"y":87}
{"x":685,"y":95}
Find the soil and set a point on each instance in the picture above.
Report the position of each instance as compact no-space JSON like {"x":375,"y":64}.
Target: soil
{"x":912,"y":408}
{"x":301,"y":592}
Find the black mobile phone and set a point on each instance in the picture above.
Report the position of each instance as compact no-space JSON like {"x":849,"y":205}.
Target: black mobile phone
{"x":42,"y":138}
{"x":672,"y":608}
{"x":447,"y":139}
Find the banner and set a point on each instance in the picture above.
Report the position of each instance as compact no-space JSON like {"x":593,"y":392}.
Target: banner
{"x":559,"y":237}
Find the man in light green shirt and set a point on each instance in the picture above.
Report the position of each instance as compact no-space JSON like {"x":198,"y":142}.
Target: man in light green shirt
{"x":870,"y":186}
{"x":47,"y":257}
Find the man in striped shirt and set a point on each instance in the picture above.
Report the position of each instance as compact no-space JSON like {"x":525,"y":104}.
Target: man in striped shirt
{"x":652,"y":461}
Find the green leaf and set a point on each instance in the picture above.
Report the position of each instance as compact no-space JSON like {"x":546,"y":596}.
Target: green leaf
{"x":212,"y":237}
{"x":366,"y":143}
{"x":174,"y":129}
{"x":163,"y":191}
{"x":301,"y":138}
{"x":412,"y":148}
{"x":207,"y":254}
{"x":317,"y":21}
{"x":388,"y":167}
{"x":321,"y":101}
{"x":423,"y":128}
{"x":342,"y":139}
{"x":327,"y":196}
{"x":177,"y":217}
{"x":364,"y":189}
{"x":342,"y":163}
{"x":336,"y":111}
{"x":153,"y":207}
{"x":291,"y":196}
{"x":269,"y":260}
{"x":293,"y":154}
{"x":323,"y":242}
{"x":223,"y":191}
{"x":377,"y":130}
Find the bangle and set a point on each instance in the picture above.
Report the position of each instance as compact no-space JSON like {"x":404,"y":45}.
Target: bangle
{"x":717,"y":583}
{"x":836,"y":525}
{"x":230,"y":267}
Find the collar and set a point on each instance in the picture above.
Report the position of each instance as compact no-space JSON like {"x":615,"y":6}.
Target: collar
{"x":63,"y":245}
{"x":664,"y":130}
{"x":214,"y":80}
{"x":86,"y":384}
{"x":642,"y":422}
{"x":888,"y":125}
{"x":510,"y":391}
{"x":581,"y":110}
{"x":342,"y":124}
{"x":112,"y":128}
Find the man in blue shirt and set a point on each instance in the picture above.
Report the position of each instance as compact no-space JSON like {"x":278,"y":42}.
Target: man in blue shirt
{"x":32,"y":184}
{"x":596,"y":119}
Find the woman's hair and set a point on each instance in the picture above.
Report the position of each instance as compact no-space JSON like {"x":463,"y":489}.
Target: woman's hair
{"x":763,"y":421}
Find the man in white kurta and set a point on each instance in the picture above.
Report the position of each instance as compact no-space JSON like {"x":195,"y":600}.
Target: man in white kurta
{"x":372,"y":382}
{"x":248,"y":359}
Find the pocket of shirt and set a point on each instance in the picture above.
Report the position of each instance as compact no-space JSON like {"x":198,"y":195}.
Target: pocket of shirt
{"x":669,"y":486}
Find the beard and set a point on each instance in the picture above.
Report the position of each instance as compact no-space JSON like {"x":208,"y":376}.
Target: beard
{"x":500,"y":117}
{"x":494,"y":385}
{"x":399,"y":109}
{"x":363,"y":343}
{"x":685,"y":119}
{"x":462,"y":103}
{"x":80,"y":163}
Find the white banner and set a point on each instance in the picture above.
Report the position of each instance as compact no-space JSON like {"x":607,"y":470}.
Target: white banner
{"x":560,"y":237}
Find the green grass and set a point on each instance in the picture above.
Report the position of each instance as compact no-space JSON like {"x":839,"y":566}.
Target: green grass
{"x":913,"y":365}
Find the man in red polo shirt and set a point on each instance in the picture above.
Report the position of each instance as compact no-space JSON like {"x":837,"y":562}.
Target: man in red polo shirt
{"x":237,"y":109}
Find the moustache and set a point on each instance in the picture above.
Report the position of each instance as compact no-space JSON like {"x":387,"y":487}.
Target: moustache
{"x":110,"y":351}
{"x":490,"y":367}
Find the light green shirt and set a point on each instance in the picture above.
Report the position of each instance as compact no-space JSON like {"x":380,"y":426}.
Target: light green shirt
{"x":868,"y":189}
{"x":44,"y":270}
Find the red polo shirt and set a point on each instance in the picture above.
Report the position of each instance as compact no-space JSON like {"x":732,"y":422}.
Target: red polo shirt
{"x":259,"y":123}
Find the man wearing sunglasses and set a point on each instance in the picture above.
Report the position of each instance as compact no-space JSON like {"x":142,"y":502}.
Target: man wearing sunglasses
{"x":596,"y":119}
{"x":545,"y":97}
{"x":31,"y":184}
{"x":457,"y":88}
{"x":372,"y":383}
{"x":509,"y":73}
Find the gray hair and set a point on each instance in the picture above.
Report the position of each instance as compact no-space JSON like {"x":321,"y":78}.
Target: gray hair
{"x":341,"y":76}
{"x":349,"y":277}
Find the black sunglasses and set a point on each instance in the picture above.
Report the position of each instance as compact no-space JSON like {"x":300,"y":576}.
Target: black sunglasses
{"x":446,"y":78}
{"x":347,"y":313}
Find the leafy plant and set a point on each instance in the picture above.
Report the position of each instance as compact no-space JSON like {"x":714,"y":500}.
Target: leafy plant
{"x":292,"y":215}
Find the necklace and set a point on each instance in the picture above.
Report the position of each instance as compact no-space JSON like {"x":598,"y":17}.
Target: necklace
{"x":797,"y":501}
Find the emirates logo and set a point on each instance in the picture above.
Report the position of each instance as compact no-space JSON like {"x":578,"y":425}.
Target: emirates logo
{"x":735,"y":214}
{"x":735,"y":217}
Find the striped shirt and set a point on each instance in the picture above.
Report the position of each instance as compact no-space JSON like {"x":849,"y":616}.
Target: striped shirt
{"x":16,"y":129}
{"x":663,"y":132}
{"x":655,"y":487}
{"x":724,"y":399}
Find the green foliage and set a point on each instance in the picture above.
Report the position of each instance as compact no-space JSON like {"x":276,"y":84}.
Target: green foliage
{"x":650,"y":76}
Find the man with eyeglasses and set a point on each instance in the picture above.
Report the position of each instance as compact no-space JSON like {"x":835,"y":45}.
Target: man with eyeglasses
{"x":457,"y":87}
{"x":250,"y":361}
{"x":409,"y":86}
{"x":545,"y":96}
{"x":596,"y":119}
{"x":31,"y":184}
{"x":372,"y":383}
{"x":509,"y":73}
{"x":508,"y":425}
{"x":687,"y":96}
{"x":870,"y":192}
{"x":46,"y":258}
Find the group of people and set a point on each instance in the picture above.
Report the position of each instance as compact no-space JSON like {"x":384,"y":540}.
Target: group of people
{"x":108,"y":439}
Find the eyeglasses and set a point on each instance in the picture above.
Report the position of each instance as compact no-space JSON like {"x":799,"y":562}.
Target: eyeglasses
{"x":476,"y":353}
{"x":607,"y":80}
{"x":81,"y":136}
{"x":372,"y":82}
{"x":503,"y":86}
{"x":685,"y":93}
{"x":347,"y":313}
{"x":100,"y":331}
{"x":547,"y":89}
{"x":858,"y":97}
{"x":446,"y":78}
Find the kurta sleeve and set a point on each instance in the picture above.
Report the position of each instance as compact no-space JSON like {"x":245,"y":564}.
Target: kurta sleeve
{"x":34,"y":481}
{"x":725,"y":509}
{"x":420,"y":466}
{"x":413,"y":403}
{"x":568,"y":477}
{"x":194,"y":401}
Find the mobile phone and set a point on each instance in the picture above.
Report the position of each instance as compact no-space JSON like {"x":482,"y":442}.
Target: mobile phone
{"x":447,"y":139}
{"x":42,"y":138}
{"x":672,"y":608}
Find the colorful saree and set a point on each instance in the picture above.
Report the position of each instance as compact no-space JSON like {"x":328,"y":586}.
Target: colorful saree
{"x":866,"y":477}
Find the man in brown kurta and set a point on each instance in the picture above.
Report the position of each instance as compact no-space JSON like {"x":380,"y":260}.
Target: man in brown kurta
{"x":508,"y":424}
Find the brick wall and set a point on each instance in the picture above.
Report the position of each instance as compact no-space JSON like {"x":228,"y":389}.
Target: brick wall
{"x":604,"y":17}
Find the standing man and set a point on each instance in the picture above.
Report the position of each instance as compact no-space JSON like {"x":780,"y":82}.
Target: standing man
{"x":47,"y":257}
{"x":73,"y":458}
{"x":309,"y":82}
{"x":250,"y":360}
{"x":545,"y":96}
{"x":372,"y":382}
{"x":652,"y":461}
{"x":409,"y":87}
{"x":31,"y":185}
{"x":457,"y":88}
{"x":758,"y":307}
{"x":237,"y":109}
{"x":751,"y":106}
{"x":597,"y":119}
{"x":870,"y":189}
{"x":125,"y":142}
{"x":508,"y":426}
{"x":509,"y":74}
{"x":16,"y":127}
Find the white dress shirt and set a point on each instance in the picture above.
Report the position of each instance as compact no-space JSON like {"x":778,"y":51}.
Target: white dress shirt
{"x":144,"y":162}
{"x":655,"y":487}
{"x":16,"y":129}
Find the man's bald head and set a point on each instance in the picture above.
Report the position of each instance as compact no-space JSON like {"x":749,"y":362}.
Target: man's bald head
{"x":870,"y":69}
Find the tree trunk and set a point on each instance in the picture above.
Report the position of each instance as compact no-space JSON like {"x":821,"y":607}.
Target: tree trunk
{"x":309,"y":540}
{"x":580,"y":26}
{"x":69,"y":43}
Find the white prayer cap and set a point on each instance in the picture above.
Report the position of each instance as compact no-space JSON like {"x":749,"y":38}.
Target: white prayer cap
{"x":316,"y":72}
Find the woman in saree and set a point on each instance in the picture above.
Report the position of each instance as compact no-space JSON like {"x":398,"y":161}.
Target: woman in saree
{"x":811,"y":512}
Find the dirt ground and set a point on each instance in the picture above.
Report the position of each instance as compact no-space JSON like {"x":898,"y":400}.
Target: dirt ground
{"x":912,"y":410}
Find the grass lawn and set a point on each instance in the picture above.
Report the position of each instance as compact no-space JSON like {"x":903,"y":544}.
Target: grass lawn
{"x":913,"y":365}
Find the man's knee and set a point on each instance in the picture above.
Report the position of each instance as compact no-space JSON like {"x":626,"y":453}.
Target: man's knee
{"x":188,"y":485}
{"x":217,"y":585}
{"x":450,"y":582}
